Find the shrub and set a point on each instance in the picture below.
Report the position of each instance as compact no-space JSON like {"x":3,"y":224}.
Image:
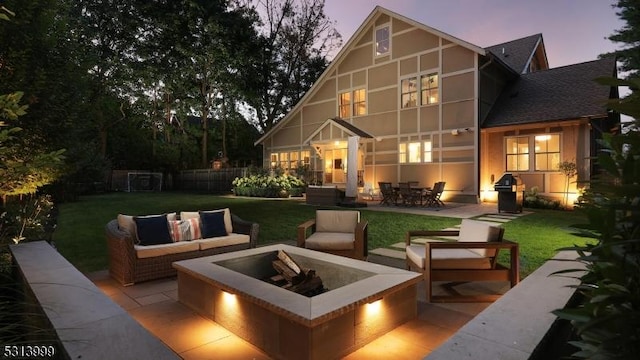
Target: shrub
{"x":533,"y":200}
{"x":267,"y":186}
{"x":607,"y":320}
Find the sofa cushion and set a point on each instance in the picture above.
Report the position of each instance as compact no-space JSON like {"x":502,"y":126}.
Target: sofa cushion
{"x":152,"y":230}
{"x":196,"y":214}
{"x":126,"y":223}
{"x":330,"y":241}
{"x":212,"y":224}
{"x":337,"y":221}
{"x":230,"y":239}
{"x":185,"y":230}
{"x":479,"y":231}
{"x":448,"y":258}
{"x":165,"y":249}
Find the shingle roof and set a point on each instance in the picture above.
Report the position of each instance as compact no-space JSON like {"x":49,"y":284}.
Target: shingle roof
{"x":355,"y":130}
{"x":563,"y":93}
{"x":516,"y":53}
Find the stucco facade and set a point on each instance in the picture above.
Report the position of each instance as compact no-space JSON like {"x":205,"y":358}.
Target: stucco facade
{"x":417,"y":99}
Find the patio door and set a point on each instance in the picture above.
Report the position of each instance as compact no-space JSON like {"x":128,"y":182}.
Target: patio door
{"x":335,"y":166}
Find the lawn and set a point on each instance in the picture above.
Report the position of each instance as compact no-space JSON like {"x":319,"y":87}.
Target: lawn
{"x":80,"y":232}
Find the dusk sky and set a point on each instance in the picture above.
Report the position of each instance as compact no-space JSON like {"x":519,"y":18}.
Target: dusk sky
{"x":573,"y":31}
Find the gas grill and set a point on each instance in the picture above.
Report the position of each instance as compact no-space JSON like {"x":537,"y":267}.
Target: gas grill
{"x":510,"y":193}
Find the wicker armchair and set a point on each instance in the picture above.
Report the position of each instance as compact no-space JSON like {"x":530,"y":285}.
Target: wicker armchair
{"x":127,"y":268}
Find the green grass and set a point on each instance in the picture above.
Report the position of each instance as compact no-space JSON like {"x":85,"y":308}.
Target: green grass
{"x":80,"y":232}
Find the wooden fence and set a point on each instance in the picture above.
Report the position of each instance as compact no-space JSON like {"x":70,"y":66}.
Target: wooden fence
{"x":209,"y":180}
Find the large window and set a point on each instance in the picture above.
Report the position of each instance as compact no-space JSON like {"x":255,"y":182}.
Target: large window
{"x":345,"y":108}
{"x":415,"y":152}
{"x":428,"y":88}
{"x":382,"y":41}
{"x":547,"y":150}
{"x":545,"y":155}
{"x":290,"y":160}
{"x":517,"y":153}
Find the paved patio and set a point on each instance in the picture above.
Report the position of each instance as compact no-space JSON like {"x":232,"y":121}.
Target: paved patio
{"x":155,"y":306}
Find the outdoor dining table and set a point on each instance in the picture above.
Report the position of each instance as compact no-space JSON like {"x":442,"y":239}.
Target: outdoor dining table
{"x":420,"y":191}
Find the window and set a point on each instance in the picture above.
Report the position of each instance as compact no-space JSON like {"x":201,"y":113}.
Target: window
{"x":293,"y":160}
{"x":382,"y":41}
{"x":547,"y":152}
{"x":415,"y":152}
{"x":359,"y":103}
{"x":345,"y":105}
{"x":409,"y":92}
{"x":290,"y":160}
{"x":429,"y":88}
{"x":427,"y":155}
{"x":517,"y":153}
{"x":428,"y":91}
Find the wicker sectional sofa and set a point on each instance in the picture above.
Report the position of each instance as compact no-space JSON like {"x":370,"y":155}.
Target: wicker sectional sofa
{"x":132,"y":262}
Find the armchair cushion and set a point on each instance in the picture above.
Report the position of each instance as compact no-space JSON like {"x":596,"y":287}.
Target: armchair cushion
{"x":335,"y":221}
{"x":330,"y":241}
{"x":448,"y":258}
{"x":479,"y":231}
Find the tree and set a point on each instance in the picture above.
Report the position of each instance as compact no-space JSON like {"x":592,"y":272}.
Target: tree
{"x":296,"y":38}
{"x":210,"y":43}
{"x":629,"y":36}
{"x":24,"y":164}
{"x":569,"y":170}
{"x":107,"y":34}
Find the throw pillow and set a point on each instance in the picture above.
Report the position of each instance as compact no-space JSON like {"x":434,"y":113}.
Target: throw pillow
{"x":185,"y":230}
{"x":212,"y":224}
{"x":152,"y":230}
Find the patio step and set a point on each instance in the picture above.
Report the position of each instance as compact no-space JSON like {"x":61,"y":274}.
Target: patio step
{"x":494,"y":219}
{"x":396,"y":254}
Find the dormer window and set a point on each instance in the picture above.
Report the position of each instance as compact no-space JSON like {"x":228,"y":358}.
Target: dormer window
{"x":382,"y":40}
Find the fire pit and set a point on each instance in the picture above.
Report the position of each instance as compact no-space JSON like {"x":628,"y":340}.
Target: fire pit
{"x":362,"y":301}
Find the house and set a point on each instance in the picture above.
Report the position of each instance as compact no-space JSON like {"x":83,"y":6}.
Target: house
{"x":426,"y":106}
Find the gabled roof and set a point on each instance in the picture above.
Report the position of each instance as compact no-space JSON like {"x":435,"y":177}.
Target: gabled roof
{"x":563,"y":93}
{"x":378,"y":10}
{"x":342,"y":124}
{"x":517,"y":53}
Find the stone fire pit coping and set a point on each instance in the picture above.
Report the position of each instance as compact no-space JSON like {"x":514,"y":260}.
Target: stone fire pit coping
{"x":308,"y":311}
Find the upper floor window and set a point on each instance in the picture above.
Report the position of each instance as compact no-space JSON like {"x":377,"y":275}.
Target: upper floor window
{"x":357,"y":98}
{"x":428,"y":88}
{"x":517,"y":153}
{"x":344,"y":106}
{"x":409,"y":89}
{"x":415,"y":152}
{"x":547,"y":150}
{"x":359,"y":103}
{"x":382,"y":41}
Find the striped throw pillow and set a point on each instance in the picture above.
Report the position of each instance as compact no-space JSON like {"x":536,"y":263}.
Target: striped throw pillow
{"x":185,"y":230}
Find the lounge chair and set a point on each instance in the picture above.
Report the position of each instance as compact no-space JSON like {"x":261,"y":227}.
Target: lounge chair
{"x":338,"y":232}
{"x":473,"y":257}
